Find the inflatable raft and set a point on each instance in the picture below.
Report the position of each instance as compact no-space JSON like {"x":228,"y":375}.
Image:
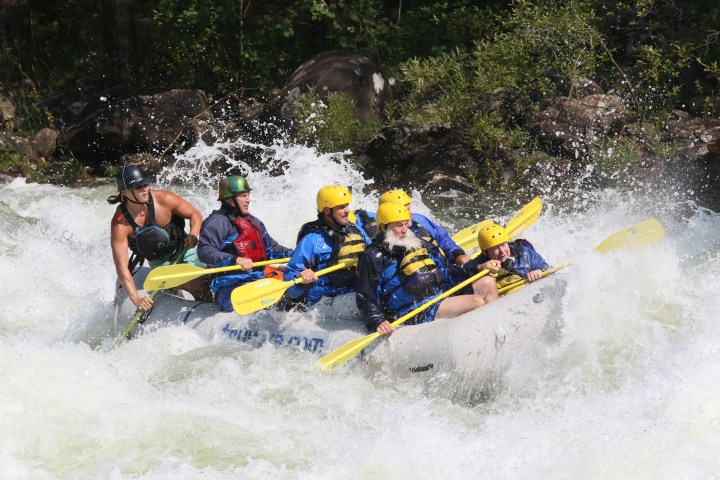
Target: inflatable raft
{"x":478,"y":341}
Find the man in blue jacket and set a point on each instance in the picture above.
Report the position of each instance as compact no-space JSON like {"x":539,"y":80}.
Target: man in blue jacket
{"x":330,"y":239}
{"x":400,"y":271}
{"x":231,"y":236}
{"x":426,"y":229}
{"x":518,"y":258}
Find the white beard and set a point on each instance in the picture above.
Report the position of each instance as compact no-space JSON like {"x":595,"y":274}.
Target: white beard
{"x":410,"y":242}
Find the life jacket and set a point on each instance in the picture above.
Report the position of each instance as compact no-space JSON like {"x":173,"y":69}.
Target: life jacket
{"x":348,"y":244}
{"x":249,"y":243}
{"x":418,"y":273}
{"x":369,"y":224}
{"x":152,"y":242}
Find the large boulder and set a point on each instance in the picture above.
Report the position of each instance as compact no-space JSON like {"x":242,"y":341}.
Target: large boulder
{"x":146,"y":123}
{"x":333,"y":71}
{"x":438,"y":157}
{"x":574,"y":127}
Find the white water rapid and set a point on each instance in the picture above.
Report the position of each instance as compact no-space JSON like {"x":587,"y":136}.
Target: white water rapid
{"x":631,"y":389}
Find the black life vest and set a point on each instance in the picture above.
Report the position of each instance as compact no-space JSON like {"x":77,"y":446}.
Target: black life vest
{"x":418,"y":273}
{"x":249,"y":243}
{"x":369,"y":224}
{"x":152,"y":242}
{"x":348,"y":244}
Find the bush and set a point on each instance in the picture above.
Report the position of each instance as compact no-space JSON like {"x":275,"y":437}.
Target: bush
{"x":331,"y":125}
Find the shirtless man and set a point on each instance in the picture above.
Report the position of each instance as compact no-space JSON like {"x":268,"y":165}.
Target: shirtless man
{"x":151,"y":224}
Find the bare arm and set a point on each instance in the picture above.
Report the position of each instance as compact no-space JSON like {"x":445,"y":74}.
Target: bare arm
{"x":119,"y":245}
{"x":179,"y":206}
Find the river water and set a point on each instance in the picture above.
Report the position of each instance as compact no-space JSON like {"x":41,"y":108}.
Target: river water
{"x":631,"y":389}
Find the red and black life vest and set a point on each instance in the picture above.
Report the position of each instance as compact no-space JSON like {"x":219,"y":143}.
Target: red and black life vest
{"x":249,"y":243}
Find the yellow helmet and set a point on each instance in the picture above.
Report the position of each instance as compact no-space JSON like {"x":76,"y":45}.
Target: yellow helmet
{"x":330,"y":196}
{"x":391,"y":212}
{"x":394,"y":196}
{"x":492,"y":236}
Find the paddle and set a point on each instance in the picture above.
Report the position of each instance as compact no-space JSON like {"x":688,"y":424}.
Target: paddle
{"x":352,"y":348}
{"x":644,"y":233}
{"x":169,"y":276}
{"x":140,"y":312}
{"x":523,"y":218}
{"x":263,"y":293}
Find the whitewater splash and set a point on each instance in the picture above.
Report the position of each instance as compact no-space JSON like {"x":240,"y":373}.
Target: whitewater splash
{"x":629,"y":389}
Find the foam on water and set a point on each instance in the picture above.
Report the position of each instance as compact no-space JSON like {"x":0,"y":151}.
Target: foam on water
{"x":629,"y":390}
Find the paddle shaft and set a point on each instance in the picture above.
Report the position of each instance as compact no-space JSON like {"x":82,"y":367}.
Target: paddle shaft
{"x":133,"y":322}
{"x":521,"y":283}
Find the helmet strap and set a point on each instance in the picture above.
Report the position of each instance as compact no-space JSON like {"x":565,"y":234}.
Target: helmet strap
{"x":329,"y":218}
{"x":134,"y":199}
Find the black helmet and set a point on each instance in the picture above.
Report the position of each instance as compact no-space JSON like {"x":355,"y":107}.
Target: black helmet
{"x":131,"y":176}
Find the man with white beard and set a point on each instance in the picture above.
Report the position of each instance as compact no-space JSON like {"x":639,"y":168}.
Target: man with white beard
{"x":426,"y":229}
{"x":399,"y":271}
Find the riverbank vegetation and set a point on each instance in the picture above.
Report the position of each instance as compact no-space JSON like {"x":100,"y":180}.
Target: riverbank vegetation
{"x":449,"y":57}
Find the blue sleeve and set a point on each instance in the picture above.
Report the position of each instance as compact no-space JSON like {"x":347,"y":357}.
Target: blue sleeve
{"x":536,"y":261}
{"x":214,"y":234}
{"x":359,"y":221}
{"x":304,"y":256}
{"x":448,"y":245}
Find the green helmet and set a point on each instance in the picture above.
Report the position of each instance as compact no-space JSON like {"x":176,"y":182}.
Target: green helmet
{"x":231,"y":186}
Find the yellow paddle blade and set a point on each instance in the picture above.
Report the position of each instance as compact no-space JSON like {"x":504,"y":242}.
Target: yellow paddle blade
{"x":524,"y":217}
{"x":346,"y":352}
{"x":169,"y":276}
{"x":258,"y":295}
{"x":467,"y":237}
{"x":644,"y":233}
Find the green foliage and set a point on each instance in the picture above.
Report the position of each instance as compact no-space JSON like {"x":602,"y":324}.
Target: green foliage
{"x":656,"y":54}
{"x":661,"y":47}
{"x":12,"y":163}
{"x":543,"y":48}
{"x":615,"y":159}
{"x":438,"y":89}
{"x":331,"y":124}
{"x":491,"y":134}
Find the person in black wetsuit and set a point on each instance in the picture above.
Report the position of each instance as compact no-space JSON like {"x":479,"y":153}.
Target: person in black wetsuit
{"x":152,"y":225}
